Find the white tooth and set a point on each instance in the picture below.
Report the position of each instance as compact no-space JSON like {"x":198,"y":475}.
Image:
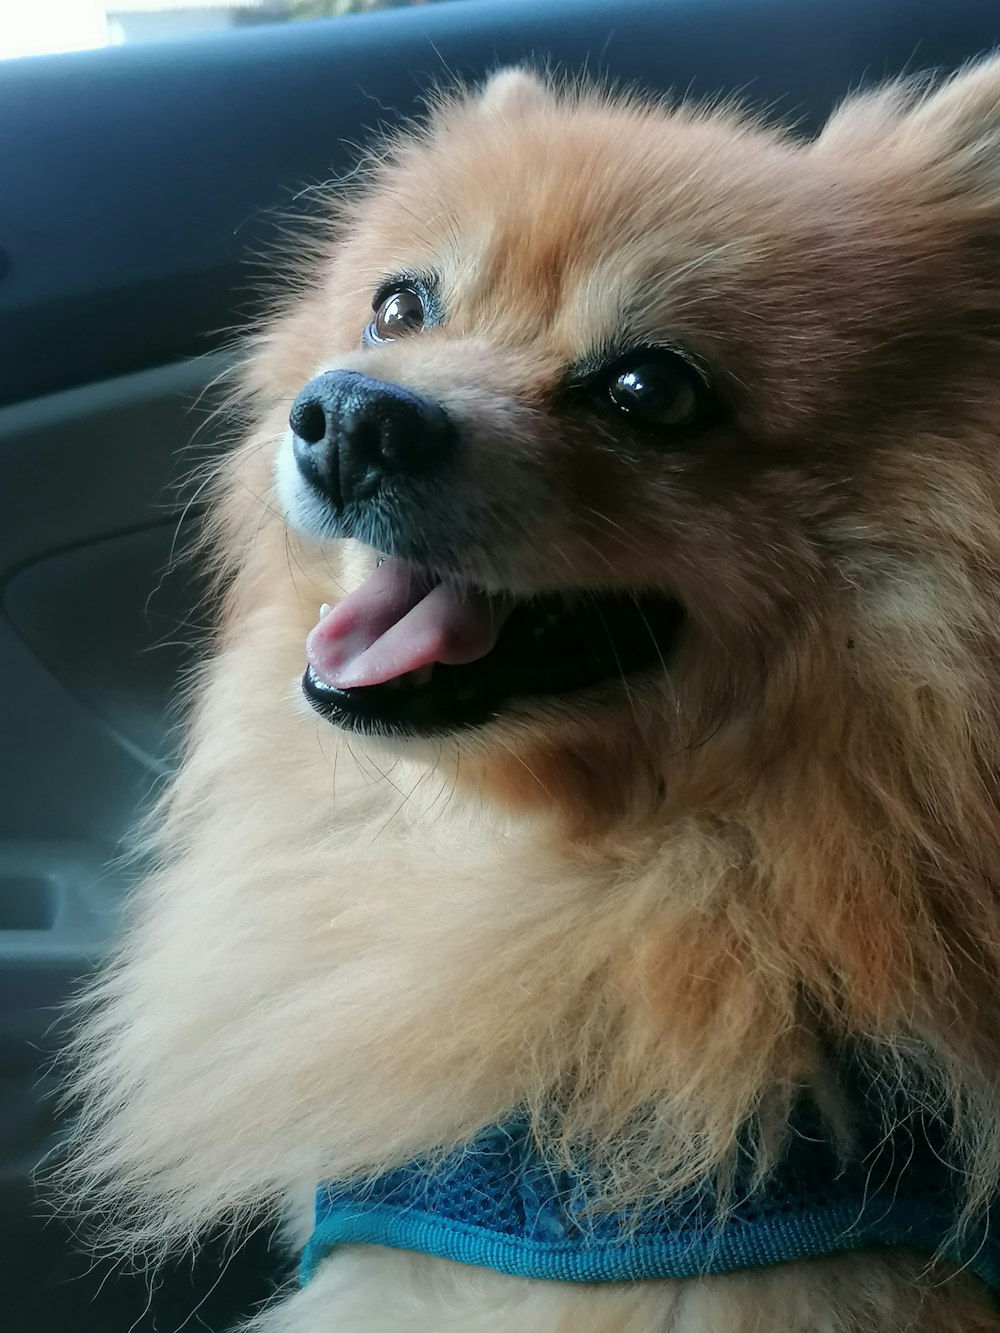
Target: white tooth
{"x":324,"y":610}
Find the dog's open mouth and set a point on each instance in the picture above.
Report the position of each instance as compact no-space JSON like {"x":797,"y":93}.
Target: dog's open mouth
{"x":409,"y":653}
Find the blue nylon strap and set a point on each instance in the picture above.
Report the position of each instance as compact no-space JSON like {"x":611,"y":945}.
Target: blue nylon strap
{"x":497,"y":1205}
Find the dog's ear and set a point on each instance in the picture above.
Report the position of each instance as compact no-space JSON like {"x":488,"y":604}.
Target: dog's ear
{"x":514,"y":91}
{"x":960,"y":126}
{"x":947,"y":135}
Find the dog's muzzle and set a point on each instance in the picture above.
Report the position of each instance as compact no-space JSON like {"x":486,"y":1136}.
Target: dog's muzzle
{"x":352,"y":433}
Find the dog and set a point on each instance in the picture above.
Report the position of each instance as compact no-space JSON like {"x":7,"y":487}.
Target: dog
{"x":641,"y":786}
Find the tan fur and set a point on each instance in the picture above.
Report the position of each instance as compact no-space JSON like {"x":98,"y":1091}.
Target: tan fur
{"x":655,"y":909}
{"x":382,"y":1291}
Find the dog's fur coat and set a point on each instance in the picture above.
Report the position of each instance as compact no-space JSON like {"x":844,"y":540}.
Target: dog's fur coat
{"x":646,"y":916}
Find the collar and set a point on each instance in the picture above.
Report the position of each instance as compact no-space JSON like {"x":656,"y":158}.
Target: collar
{"x":498,"y":1204}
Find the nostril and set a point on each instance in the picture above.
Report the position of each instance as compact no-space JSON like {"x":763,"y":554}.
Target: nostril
{"x":308,"y":421}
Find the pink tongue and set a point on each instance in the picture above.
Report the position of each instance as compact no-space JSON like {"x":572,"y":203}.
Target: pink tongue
{"x":395,"y":623}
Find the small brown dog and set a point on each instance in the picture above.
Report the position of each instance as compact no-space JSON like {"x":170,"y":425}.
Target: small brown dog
{"x":647,"y":773}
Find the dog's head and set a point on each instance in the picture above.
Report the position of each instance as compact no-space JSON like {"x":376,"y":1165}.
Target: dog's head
{"x":674,"y":436}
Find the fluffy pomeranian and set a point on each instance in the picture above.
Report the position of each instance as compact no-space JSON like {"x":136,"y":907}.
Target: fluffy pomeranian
{"x":642,"y":780}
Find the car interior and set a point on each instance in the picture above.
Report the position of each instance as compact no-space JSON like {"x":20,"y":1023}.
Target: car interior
{"x":144,"y":190}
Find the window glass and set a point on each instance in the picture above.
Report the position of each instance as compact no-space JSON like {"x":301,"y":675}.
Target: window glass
{"x":39,"y":27}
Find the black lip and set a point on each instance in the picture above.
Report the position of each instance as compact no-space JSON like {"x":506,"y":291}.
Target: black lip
{"x":550,"y":647}
{"x":377,"y":710}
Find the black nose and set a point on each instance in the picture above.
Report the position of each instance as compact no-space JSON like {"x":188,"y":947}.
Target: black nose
{"x":351,"y":433}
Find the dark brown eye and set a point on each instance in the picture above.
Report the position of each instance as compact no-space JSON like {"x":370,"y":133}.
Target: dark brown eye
{"x":660,"y":389}
{"x":399,"y":313}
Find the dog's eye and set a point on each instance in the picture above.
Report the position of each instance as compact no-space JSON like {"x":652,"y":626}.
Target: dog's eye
{"x":398,"y":312}
{"x":659,"y":389}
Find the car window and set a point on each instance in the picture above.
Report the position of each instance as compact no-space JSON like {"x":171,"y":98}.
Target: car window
{"x":42,"y":27}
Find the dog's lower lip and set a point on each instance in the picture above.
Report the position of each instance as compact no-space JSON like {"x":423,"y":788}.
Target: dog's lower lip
{"x":380,"y":709}
{"x":552,"y":646}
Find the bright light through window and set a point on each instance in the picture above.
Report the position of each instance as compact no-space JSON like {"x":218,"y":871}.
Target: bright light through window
{"x":39,"y":27}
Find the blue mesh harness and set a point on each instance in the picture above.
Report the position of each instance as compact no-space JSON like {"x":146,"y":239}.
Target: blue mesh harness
{"x":497,"y":1204}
